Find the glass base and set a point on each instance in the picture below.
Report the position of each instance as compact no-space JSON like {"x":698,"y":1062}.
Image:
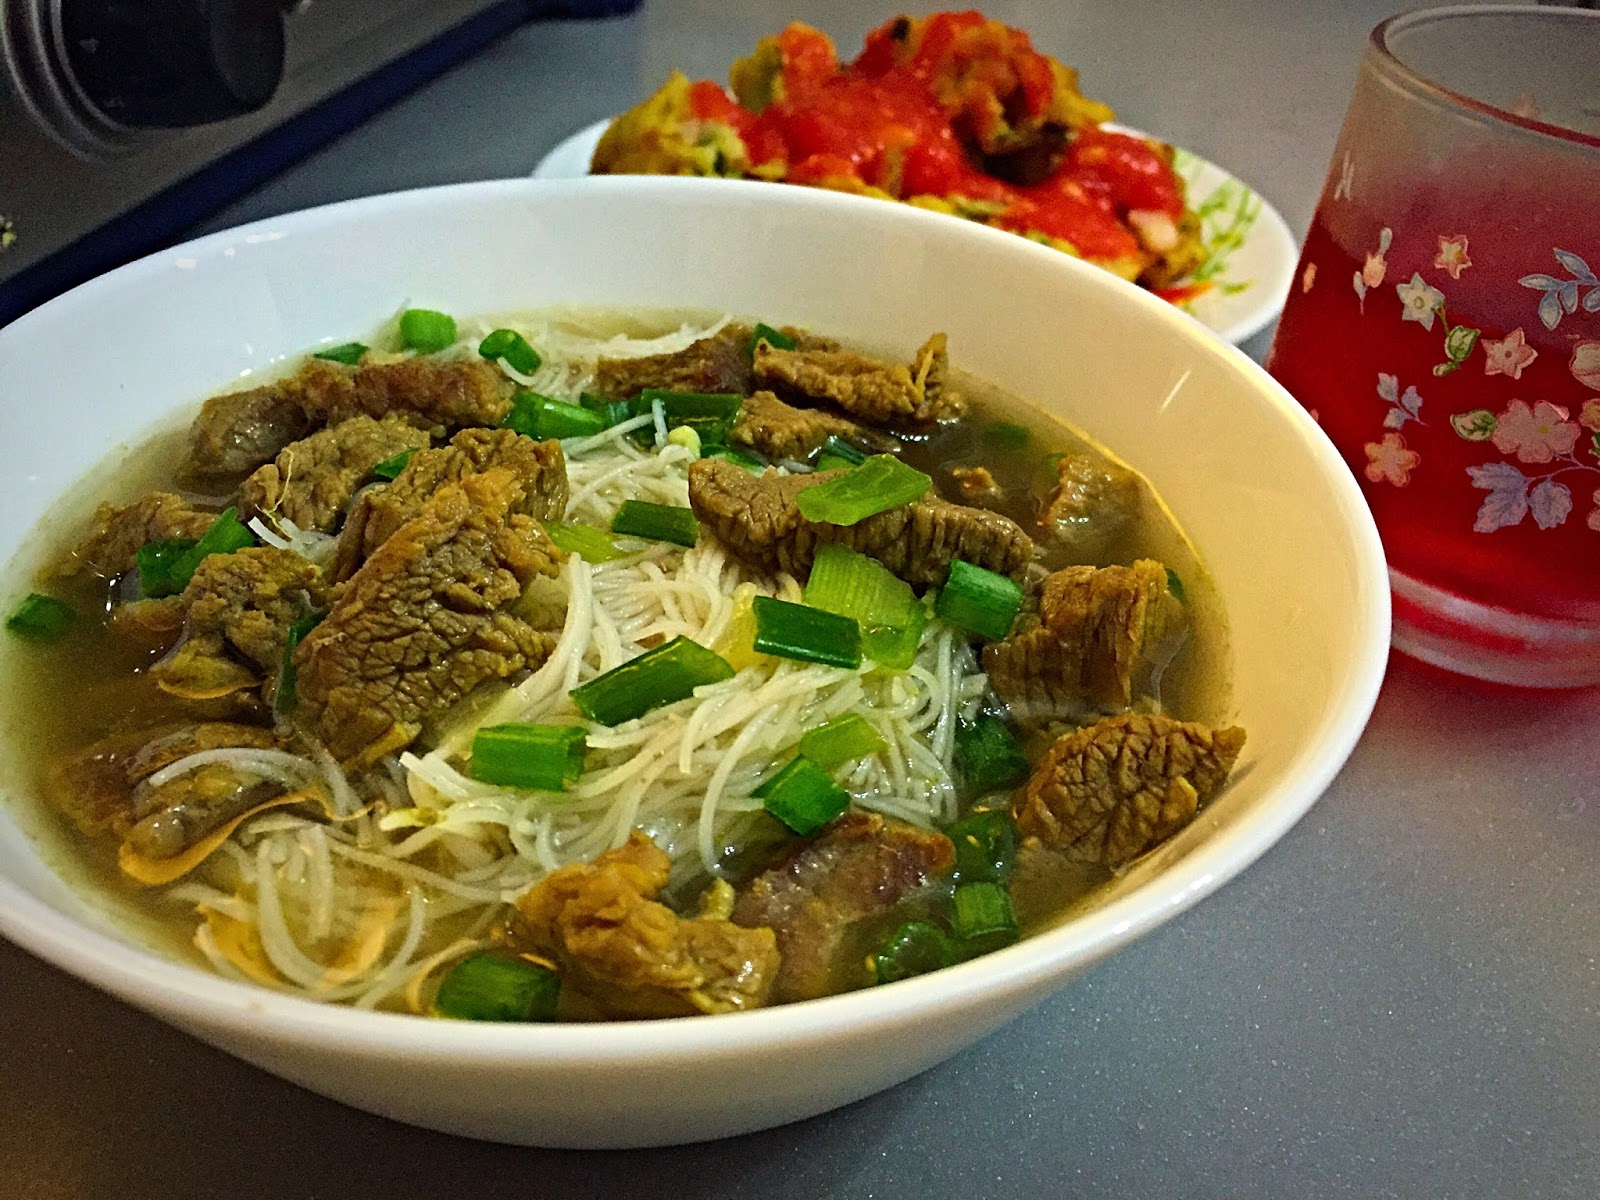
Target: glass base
{"x":1496,"y":644}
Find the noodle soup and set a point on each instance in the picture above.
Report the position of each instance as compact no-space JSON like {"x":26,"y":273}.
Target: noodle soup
{"x":584,"y":666}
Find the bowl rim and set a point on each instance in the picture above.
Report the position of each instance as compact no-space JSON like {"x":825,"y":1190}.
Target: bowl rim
{"x":177,"y":989}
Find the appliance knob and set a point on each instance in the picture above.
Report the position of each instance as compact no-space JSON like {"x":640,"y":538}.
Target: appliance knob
{"x":170,"y":64}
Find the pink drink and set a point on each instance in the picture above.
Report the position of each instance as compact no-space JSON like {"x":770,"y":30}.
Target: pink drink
{"x":1445,"y":331}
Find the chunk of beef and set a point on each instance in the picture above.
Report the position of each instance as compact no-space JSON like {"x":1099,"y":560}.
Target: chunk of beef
{"x":779,"y":430}
{"x":239,"y":607}
{"x":1110,"y":792}
{"x":539,"y":469}
{"x":1097,"y":635}
{"x":102,"y":789}
{"x":977,"y":485}
{"x":881,"y":392}
{"x":758,"y":519}
{"x":428,"y":618}
{"x":635,"y":957}
{"x":713,"y":364}
{"x":239,"y":431}
{"x":312,"y":481}
{"x":857,"y":869}
{"x":112,"y":544}
{"x":245,"y":430}
{"x":1093,"y":502}
{"x":438,"y":394}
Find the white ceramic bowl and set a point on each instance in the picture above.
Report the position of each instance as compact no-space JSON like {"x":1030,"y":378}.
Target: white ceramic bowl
{"x":1270,"y":505}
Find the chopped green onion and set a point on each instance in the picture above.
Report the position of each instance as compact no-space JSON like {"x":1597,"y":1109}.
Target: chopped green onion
{"x":588,"y":543}
{"x":850,"y":584}
{"x":837,"y":447}
{"x":541,"y":417}
{"x":830,"y":462}
{"x":916,"y":948}
{"x":425,"y":331}
{"x":775,"y":338}
{"x":612,"y":412}
{"x":1175,"y":586}
{"x":877,"y":485}
{"x":894,"y":647}
{"x":840,"y":741}
{"x":491,"y":987}
{"x":511,"y":346}
{"x":349,"y":354}
{"x":809,"y":634}
{"x":981,"y":601}
{"x":981,"y":918}
{"x":659,"y":522}
{"x":390,"y":468}
{"x":165,"y":567}
{"x":288,"y":692}
{"x":668,"y":673}
{"x":739,"y":459}
{"x":803,"y":796}
{"x":1006,"y":434}
{"x":986,"y":846}
{"x":683,"y":406}
{"x":989,"y":758}
{"x":546,"y":757}
{"x":41,"y":618}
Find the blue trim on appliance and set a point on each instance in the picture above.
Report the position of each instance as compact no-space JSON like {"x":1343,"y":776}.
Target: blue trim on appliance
{"x":158,"y":220}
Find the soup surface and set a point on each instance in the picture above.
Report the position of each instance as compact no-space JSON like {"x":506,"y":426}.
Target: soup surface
{"x":585,"y":666}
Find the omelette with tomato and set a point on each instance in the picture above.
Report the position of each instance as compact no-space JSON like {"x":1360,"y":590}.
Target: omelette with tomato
{"x":952,"y":112}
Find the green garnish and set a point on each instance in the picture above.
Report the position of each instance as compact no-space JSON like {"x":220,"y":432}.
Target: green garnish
{"x":989,"y":758}
{"x":511,"y":346}
{"x":349,"y":354}
{"x":664,"y":675}
{"x":1175,"y":586}
{"x":546,"y":757}
{"x":841,"y":740}
{"x":658,"y":522}
{"x":612,"y":412}
{"x":808,"y":634}
{"x":491,"y":987}
{"x":978,"y":600}
{"x":542,"y":417}
{"x":775,"y":338}
{"x":986,"y":847}
{"x":837,"y":447}
{"x":739,"y":459}
{"x":426,"y":331}
{"x":288,"y":691}
{"x":981,"y":918}
{"x":165,"y":567}
{"x":803,"y":796}
{"x":1007,"y":435}
{"x":851,"y":584}
{"x":916,"y":948}
{"x":877,"y":485}
{"x":831,"y":462}
{"x":390,"y":468}
{"x":588,"y":543}
{"x":41,"y":618}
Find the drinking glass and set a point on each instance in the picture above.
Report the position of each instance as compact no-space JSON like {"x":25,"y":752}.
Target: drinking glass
{"x":1444,"y":329}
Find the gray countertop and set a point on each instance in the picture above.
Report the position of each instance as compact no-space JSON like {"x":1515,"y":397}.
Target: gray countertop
{"x":1401,"y":999}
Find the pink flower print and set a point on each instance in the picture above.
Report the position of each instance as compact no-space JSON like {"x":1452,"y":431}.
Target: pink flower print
{"x":1589,"y":418}
{"x":1452,"y":256}
{"x":1418,"y":301}
{"x":1594,"y":513}
{"x":1585,"y":364}
{"x":1389,"y":461}
{"x":1534,"y":435}
{"x":1371,"y":274}
{"x":1509,"y":355}
{"x":1308,"y":277}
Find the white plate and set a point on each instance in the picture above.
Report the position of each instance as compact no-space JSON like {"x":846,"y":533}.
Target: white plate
{"x":1252,"y":287}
